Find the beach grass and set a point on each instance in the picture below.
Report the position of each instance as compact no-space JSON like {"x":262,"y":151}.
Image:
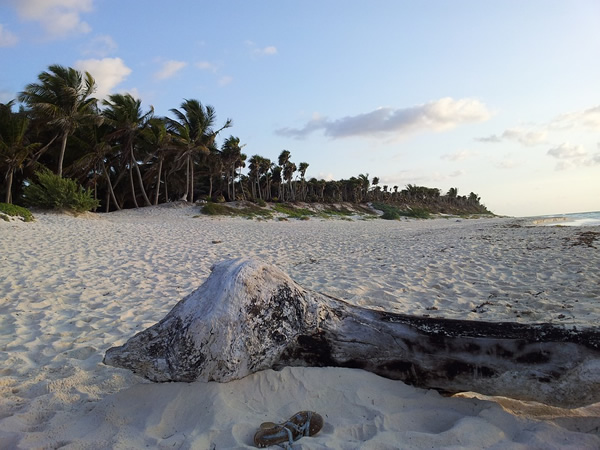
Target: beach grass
{"x":8,"y":210}
{"x":391,"y":212}
{"x":249,"y":211}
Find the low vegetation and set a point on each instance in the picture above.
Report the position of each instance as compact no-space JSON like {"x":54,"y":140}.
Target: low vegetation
{"x":392,"y":212}
{"x":8,"y":210}
{"x":54,"y":192}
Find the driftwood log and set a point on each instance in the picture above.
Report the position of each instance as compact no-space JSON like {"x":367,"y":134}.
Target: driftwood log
{"x":250,"y":316}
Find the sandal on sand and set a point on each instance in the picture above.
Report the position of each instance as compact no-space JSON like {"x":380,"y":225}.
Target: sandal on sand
{"x":303,"y":423}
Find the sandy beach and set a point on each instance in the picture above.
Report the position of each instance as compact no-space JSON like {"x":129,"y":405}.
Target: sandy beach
{"x":71,"y":287}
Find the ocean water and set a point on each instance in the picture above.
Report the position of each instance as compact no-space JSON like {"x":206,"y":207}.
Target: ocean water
{"x":587,"y":219}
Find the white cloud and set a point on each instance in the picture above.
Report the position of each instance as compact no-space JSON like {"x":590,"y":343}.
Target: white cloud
{"x":440,"y":115}
{"x":572,"y":156}
{"x":100,"y":46}
{"x":458,"y":173}
{"x":224,"y":81}
{"x":7,"y":39}
{"x":460,"y":155}
{"x":269,"y":50}
{"x":587,"y":118}
{"x":325,"y":176}
{"x":206,"y":65}
{"x":527,"y":138}
{"x":169,"y":69}
{"x":567,"y":151}
{"x":58,"y":17}
{"x":108,"y":73}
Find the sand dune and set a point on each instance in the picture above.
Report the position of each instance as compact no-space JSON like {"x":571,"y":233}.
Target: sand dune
{"x":72,"y":287}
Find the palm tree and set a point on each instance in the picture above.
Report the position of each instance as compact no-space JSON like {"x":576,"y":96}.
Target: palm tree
{"x":254,"y":175}
{"x":124,"y":114}
{"x":92,"y":164}
{"x":62,"y":97}
{"x":302,"y":171}
{"x":14,"y":146}
{"x":233,"y":158}
{"x":194,"y":133}
{"x":159,"y":143}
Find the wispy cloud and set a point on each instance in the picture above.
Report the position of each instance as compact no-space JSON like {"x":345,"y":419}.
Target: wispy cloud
{"x":207,"y":65}
{"x":587,"y":118}
{"x":506,"y":163}
{"x":460,"y":155}
{"x":108,"y":73}
{"x":100,"y":46}
{"x":256,"y":50}
{"x":7,"y":39}
{"x":570,"y":156}
{"x":440,"y":115}
{"x":58,"y":17}
{"x":525,"y":137}
{"x":169,"y":69}
{"x":225,"y":80}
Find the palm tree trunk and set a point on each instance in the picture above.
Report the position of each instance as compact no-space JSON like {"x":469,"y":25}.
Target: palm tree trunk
{"x":160,"y":163}
{"x":139,"y":174}
{"x":187,"y":178}
{"x":107,"y":202}
{"x":9,"y":180}
{"x":63,"y":147}
{"x":233,"y":183}
{"x":191,"y":181}
{"x":132,"y":186}
{"x":166,"y":189}
{"x":110,"y":188}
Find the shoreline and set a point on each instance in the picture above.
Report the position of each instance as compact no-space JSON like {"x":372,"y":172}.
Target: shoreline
{"x":77,"y":286}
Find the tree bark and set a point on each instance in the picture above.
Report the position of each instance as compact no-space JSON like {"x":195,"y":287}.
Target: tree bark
{"x":110,"y":187}
{"x":249,"y":316}
{"x":61,"y":157}
{"x":9,"y":180}
{"x":132,"y":186}
{"x":140,"y":181}
{"x":160,"y":163}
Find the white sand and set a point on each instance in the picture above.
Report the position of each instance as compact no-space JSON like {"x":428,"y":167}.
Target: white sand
{"x":70,"y":288}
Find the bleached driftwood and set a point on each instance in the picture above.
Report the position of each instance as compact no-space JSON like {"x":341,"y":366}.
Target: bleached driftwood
{"x":250,"y":316}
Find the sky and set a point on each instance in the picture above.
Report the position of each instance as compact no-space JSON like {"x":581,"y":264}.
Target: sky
{"x":498,"y":98}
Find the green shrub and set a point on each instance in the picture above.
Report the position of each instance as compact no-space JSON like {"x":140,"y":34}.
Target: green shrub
{"x":393,"y":213}
{"x":249,"y":211}
{"x":390,"y":215}
{"x":16,"y":211}
{"x":216,"y":209}
{"x":54,"y":192}
{"x":260,"y":202}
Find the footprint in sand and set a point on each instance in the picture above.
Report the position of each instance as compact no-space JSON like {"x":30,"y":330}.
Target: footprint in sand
{"x":82,"y":353}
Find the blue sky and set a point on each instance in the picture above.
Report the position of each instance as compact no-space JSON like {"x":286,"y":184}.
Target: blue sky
{"x":500,"y":98}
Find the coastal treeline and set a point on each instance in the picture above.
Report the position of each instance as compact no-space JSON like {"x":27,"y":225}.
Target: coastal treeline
{"x":126,"y":156}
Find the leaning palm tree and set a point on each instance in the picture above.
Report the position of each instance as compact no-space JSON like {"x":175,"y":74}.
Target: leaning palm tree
{"x":233,"y":159}
{"x":124,"y":114}
{"x":193,"y":131}
{"x":62,"y":97}
{"x":14,"y":146}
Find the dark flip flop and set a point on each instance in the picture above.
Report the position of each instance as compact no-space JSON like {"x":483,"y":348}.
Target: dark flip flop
{"x":303,"y":423}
